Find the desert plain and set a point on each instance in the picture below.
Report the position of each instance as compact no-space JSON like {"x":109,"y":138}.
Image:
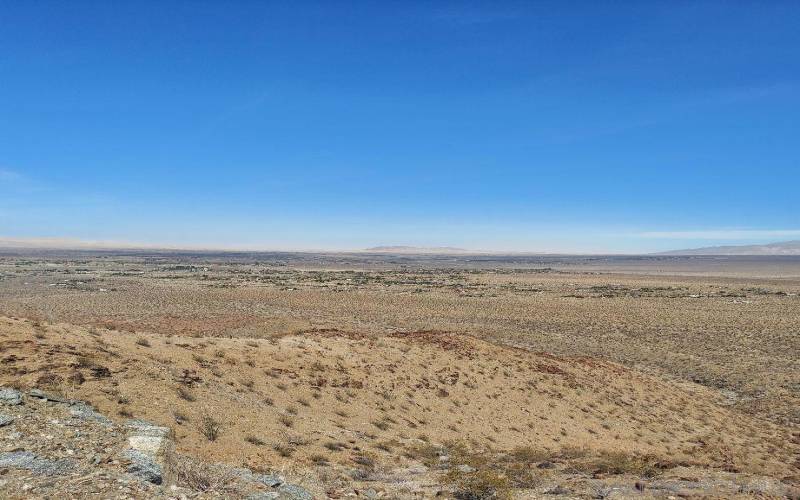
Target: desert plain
{"x":411,"y":376}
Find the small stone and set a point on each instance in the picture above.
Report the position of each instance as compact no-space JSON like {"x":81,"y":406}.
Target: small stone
{"x":5,"y":420}
{"x":546,"y":465}
{"x":262,"y":495}
{"x":85,"y":412}
{"x":10,"y":397}
{"x":466,"y":469}
{"x":36,"y":393}
{"x":268,"y":479}
{"x":293,"y":492}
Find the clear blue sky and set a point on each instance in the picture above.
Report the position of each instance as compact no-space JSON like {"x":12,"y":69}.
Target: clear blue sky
{"x":563,"y":126}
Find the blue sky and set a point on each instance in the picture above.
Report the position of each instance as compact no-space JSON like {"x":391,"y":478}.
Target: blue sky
{"x":529,"y":126}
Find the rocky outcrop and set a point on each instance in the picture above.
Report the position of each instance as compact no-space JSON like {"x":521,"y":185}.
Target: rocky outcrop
{"x":51,"y":446}
{"x":148,"y":451}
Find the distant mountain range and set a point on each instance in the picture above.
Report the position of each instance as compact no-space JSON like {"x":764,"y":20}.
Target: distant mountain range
{"x":417,"y":250}
{"x":781,"y":248}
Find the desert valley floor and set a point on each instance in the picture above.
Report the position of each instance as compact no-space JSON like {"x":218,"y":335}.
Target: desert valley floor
{"x":405,"y":376}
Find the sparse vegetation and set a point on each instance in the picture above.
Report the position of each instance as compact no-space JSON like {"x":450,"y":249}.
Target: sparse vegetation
{"x":374,"y":370}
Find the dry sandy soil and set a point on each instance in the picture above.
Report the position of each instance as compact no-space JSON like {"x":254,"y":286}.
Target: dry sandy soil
{"x":351,"y":368}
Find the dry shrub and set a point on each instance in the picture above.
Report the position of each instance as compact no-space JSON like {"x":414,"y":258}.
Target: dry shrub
{"x":255,"y":440}
{"x":492,"y":475}
{"x":617,"y":462}
{"x":284,"y":450}
{"x":425,"y":453}
{"x":334,"y":445}
{"x":49,"y":381}
{"x":185,"y":394}
{"x":200,"y":476}
{"x":479,"y":485}
{"x":210,"y":427}
{"x":76,"y":378}
{"x":528,"y":454}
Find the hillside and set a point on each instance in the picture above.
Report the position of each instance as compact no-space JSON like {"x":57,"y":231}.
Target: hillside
{"x":332,"y":402}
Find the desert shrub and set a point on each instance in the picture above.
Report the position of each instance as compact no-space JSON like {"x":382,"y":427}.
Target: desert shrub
{"x":384,"y":446}
{"x":199,"y":476}
{"x":188,"y":377}
{"x":479,"y":485}
{"x":142,"y":342}
{"x":528,"y":454}
{"x":617,"y":462}
{"x":284,"y":450}
{"x":255,"y":440}
{"x":210,"y":427}
{"x":49,"y":381}
{"x":425,"y":453}
{"x":185,"y":394}
{"x":364,"y":460}
{"x":572,"y":452}
{"x":334,"y":445}
{"x":76,"y":378}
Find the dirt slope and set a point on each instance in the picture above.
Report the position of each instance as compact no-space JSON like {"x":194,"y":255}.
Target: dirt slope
{"x":321,"y":396}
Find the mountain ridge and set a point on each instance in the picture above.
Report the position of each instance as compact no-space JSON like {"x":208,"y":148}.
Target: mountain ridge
{"x":777,"y":248}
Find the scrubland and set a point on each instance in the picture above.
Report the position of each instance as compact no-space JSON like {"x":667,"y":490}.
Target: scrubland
{"x":495,"y":377}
